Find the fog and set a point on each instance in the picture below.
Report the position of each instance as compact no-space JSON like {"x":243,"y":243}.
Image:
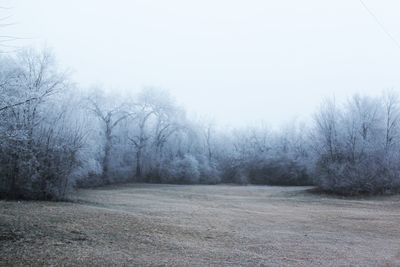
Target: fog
{"x":205,"y":133}
{"x":237,"y":62}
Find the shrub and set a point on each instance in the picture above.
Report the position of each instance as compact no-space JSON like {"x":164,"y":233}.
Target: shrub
{"x":183,"y":170}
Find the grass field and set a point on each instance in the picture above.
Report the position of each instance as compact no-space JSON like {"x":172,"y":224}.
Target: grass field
{"x":166,"y":225}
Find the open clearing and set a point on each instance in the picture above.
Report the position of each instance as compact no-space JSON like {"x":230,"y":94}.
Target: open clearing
{"x":167,"y":225}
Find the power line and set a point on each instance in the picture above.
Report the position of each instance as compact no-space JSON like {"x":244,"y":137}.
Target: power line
{"x":380,"y":24}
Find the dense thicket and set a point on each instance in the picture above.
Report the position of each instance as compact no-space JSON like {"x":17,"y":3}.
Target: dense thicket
{"x":357,"y":145}
{"x":54,"y":137}
{"x":39,"y":140}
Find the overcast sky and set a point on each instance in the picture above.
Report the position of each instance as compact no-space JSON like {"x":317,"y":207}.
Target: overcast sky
{"x":235,"y":61}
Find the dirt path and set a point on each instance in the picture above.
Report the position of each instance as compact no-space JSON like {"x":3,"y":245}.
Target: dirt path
{"x":164,"y":225}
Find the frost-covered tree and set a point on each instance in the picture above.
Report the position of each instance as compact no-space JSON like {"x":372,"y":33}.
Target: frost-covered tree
{"x":39,"y":146}
{"x":110,"y":115}
{"x":361,"y":154}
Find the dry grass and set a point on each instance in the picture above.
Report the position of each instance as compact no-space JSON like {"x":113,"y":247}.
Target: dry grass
{"x":163,"y":225}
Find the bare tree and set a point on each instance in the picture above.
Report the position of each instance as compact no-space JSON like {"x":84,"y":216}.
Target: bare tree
{"x":208,"y":136}
{"x":326,"y":128}
{"x":110,"y":117}
{"x":140,"y":138}
{"x":392,"y":118}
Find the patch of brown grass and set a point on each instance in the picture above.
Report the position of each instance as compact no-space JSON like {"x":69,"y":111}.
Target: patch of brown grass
{"x":164,"y":225}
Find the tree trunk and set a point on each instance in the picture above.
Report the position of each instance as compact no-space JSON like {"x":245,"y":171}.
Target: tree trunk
{"x":138,"y":173}
{"x":106,"y":159}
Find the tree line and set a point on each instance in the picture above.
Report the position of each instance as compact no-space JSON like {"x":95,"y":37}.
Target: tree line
{"x":54,"y":137}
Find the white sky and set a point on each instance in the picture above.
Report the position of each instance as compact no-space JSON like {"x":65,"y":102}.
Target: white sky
{"x":235,"y":61}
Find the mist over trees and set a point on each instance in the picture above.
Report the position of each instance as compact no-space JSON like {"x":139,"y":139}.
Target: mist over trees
{"x":54,"y":137}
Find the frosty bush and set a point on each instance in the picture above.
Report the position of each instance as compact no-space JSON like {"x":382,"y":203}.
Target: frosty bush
{"x":209,"y":173}
{"x":183,"y":170}
{"x":39,"y":145}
